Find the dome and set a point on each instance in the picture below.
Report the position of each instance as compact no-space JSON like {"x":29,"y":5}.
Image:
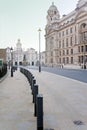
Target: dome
{"x":81,"y":3}
{"x":52,"y":10}
{"x":52,"y":14}
{"x":53,"y":7}
{"x":18,"y":44}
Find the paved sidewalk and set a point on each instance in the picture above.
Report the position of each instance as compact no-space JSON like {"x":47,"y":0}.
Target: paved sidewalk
{"x":64,"y":101}
{"x":16,"y":107}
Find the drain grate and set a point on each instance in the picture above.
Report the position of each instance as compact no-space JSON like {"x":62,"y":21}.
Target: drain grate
{"x":78,"y":122}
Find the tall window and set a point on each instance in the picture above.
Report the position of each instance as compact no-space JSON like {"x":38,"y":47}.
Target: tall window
{"x":60,"y":34}
{"x":82,"y":48}
{"x":78,"y":48}
{"x":60,"y":60}
{"x":75,"y":28}
{"x":75,"y":39}
{"x":64,"y":60}
{"x":86,"y":48}
{"x":71,"y":30}
{"x":59,"y":44}
{"x":51,"y":53}
{"x":67,"y":52}
{"x":71,"y":41}
{"x":63,"y":33}
{"x":71,"y":60}
{"x":63,"y":43}
{"x":67,"y":32}
{"x":71,"y":51}
{"x":66,"y":42}
{"x":63,"y":52}
{"x":67,"y":60}
{"x":60,"y":53}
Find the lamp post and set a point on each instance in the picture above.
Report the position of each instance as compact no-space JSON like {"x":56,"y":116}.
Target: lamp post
{"x":11,"y":49}
{"x":84,"y":65}
{"x":39,"y":50}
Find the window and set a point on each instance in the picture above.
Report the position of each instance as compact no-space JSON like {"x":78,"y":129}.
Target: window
{"x":67,"y":52}
{"x":54,"y":12}
{"x":60,"y":34}
{"x":64,"y":60}
{"x":67,"y":32}
{"x":60,"y":60}
{"x":71,"y":51}
{"x":71,"y":41}
{"x":63,"y":43}
{"x":85,"y":35}
{"x":82,"y":49}
{"x":60,"y":53}
{"x":67,"y":42}
{"x":86,"y":48}
{"x":63,"y":33}
{"x":51,"y":60}
{"x":59,"y":44}
{"x":78,"y":48}
{"x":83,"y":25}
{"x":75,"y":28}
{"x":75,"y":39}
{"x":63,"y":52}
{"x":67,"y":60}
{"x":71,"y":30}
{"x":51,"y":53}
{"x":71,"y":60}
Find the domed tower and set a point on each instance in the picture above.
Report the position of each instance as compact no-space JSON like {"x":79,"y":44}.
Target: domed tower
{"x":53,"y":14}
{"x":81,"y":3}
{"x":19,"y":45}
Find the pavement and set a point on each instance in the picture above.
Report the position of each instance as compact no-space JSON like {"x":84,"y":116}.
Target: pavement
{"x":64,"y":102}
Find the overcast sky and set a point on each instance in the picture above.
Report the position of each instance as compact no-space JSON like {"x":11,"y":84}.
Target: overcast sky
{"x":22,"y":19}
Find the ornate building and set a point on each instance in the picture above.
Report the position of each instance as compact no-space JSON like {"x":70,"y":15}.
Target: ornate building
{"x":66,"y":37}
{"x":20,"y":56}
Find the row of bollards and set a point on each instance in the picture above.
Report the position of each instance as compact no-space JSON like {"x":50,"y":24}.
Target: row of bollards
{"x":37,"y":98}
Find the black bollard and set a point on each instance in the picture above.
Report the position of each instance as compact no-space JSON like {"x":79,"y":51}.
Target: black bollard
{"x":39,"y":112}
{"x":35,"y":96}
{"x":33,"y":83}
{"x":11,"y":71}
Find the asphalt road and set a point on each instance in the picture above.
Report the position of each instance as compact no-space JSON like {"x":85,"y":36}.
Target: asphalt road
{"x":80,"y":75}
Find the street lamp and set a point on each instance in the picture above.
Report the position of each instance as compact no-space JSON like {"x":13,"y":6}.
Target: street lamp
{"x":39,"y":51}
{"x":11,"y":49}
{"x":84,"y":65}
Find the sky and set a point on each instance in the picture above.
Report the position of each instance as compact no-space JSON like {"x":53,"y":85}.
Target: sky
{"x":21,"y":19}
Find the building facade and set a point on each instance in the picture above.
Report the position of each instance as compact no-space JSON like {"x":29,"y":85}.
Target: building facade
{"x":3,"y":55}
{"x":21,"y":57}
{"x":31,"y":56}
{"x":18,"y":54}
{"x":66,"y":37}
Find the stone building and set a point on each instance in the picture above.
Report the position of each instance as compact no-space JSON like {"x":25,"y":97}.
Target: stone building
{"x":18,"y":53}
{"x":31,"y":56}
{"x":66,"y":37}
{"x":21,"y":57}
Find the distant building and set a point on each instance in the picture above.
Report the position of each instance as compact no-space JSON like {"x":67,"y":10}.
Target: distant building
{"x":20,"y":56}
{"x":66,"y":37}
{"x":3,"y":55}
{"x":18,"y":53}
{"x":31,"y":56}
